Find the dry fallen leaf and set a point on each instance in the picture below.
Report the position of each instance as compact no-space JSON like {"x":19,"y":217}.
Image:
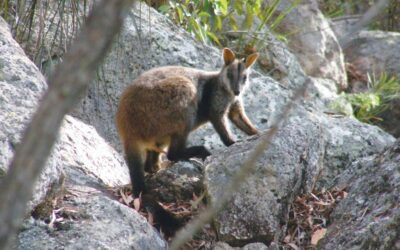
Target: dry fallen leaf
{"x":126,"y":198}
{"x":292,"y":245}
{"x":287,"y":238}
{"x":317,"y":235}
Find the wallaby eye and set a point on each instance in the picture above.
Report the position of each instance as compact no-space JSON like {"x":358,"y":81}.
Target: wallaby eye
{"x":244,"y":78}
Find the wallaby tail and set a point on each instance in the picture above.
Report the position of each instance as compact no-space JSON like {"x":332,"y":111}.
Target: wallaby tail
{"x":166,"y":220}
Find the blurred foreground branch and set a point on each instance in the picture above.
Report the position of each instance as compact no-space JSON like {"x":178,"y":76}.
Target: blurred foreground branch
{"x":247,"y":167}
{"x":366,"y":19}
{"x":66,"y":86}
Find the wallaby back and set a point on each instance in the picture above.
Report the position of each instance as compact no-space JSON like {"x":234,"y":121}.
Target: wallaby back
{"x":158,"y":104}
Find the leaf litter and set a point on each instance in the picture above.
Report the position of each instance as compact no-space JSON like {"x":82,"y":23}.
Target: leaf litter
{"x":182,"y":209}
{"x":309,"y":217}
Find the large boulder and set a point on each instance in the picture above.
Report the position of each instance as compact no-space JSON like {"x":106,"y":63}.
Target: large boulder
{"x":309,"y":150}
{"x":89,"y":165}
{"x":313,"y":41}
{"x":258,"y":210}
{"x":81,"y":148}
{"x":342,"y":25}
{"x":79,"y":145}
{"x":21,"y":85}
{"x":90,"y":219}
{"x":347,"y":140}
{"x":369,"y":218}
{"x":376,"y":53}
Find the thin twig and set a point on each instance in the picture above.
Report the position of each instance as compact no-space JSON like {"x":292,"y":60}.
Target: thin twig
{"x":367,"y":18}
{"x":247,"y":167}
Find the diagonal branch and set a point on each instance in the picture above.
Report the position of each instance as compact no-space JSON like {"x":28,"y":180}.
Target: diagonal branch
{"x":366,"y":19}
{"x":66,"y":87}
{"x":247,"y":167}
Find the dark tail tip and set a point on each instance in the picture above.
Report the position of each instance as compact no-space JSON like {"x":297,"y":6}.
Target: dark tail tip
{"x":167,"y":221}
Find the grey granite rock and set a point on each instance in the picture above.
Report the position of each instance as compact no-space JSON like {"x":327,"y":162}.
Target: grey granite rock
{"x":98,"y":222}
{"x":21,"y":85}
{"x":313,"y":41}
{"x":369,"y":218}
{"x":90,"y":165}
{"x":257,"y":211}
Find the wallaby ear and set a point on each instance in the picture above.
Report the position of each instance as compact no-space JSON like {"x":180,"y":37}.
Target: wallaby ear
{"x":228,"y":55}
{"x":251,"y":59}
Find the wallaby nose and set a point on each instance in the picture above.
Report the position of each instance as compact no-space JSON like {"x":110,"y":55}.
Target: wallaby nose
{"x":236,"y":92}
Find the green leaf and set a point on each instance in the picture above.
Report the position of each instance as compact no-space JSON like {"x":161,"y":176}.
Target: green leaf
{"x":248,"y":21}
{"x":238,"y":7}
{"x":179,"y":14}
{"x":213,"y":37}
{"x":164,"y":8}
{"x":223,"y":5}
{"x":185,"y":11}
{"x":218,"y":23}
{"x":233,"y":23}
{"x":197,"y":30}
{"x":204,"y":14}
{"x":283,"y":14}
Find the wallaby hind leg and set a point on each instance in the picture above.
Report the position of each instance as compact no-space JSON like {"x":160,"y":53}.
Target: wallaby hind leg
{"x":135,"y":160}
{"x":152,"y":160}
{"x":178,"y":150}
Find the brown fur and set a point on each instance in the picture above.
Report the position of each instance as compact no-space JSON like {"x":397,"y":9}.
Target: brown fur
{"x":163,"y":105}
{"x":150,"y":113}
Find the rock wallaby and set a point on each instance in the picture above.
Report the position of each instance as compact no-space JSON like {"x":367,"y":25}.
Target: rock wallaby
{"x":163,"y":105}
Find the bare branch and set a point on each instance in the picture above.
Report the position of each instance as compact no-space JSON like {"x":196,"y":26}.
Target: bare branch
{"x":247,"y":167}
{"x":66,"y":86}
{"x":367,"y":18}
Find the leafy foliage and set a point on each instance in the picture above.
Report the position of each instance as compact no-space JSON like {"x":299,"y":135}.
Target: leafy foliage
{"x":210,"y":21}
{"x":206,"y":19}
{"x":201,"y":18}
{"x":368,"y":106}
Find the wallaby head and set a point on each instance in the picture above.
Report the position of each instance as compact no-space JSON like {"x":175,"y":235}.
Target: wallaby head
{"x":235,"y":72}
